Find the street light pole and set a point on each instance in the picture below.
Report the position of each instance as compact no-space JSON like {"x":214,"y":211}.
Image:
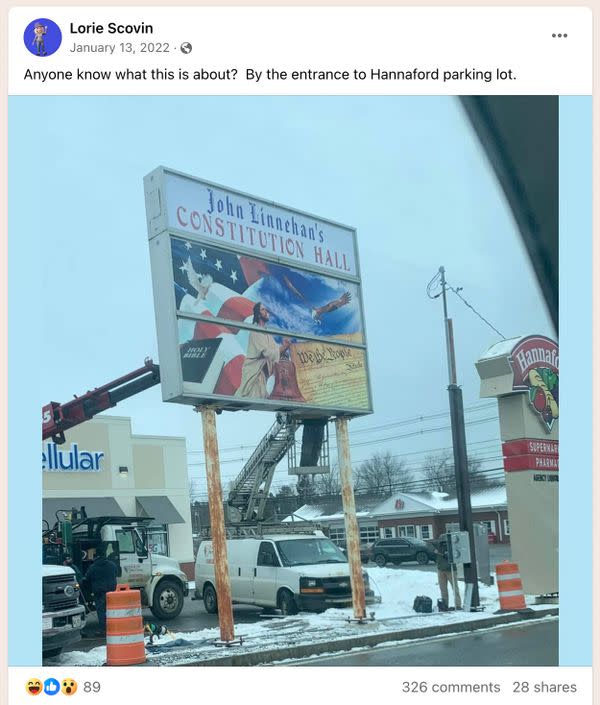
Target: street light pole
{"x":459,"y":446}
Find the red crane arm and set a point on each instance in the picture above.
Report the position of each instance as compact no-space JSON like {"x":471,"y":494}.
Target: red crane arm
{"x":58,"y":418}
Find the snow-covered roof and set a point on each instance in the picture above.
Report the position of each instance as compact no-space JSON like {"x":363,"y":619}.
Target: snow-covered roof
{"x":413,"y":503}
{"x":419,"y":503}
{"x":440,"y":501}
{"x":330,"y":509}
{"x":312,"y":513}
{"x":501,"y":349}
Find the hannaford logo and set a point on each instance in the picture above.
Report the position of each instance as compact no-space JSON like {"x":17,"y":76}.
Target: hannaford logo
{"x":535,"y":367}
{"x":399,"y":504}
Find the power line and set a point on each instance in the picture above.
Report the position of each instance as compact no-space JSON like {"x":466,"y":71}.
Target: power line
{"x":429,"y":451}
{"x":421,"y":432}
{"x":460,"y":288}
{"x":495,"y":476}
{"x":436,"y":281}
{"x":358,"y":461}
{"x":476,"y":422}
{"x":403,"y":422}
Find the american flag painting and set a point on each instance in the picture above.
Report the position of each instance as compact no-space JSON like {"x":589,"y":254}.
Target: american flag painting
{"x":216,"y":283}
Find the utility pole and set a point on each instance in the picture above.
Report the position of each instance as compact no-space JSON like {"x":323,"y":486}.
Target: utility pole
{"x":459,"y":445}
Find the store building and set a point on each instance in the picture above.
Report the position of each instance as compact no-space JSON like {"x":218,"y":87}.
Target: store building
{"x":424,"y":515}
{"x":108,"y":470}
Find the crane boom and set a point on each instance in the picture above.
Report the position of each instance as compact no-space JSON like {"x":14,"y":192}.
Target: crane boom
{"x":250,"y":490}
{"x":58,"y":418}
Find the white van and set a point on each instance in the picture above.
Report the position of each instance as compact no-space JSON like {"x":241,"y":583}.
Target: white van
{"x":290,"y":572}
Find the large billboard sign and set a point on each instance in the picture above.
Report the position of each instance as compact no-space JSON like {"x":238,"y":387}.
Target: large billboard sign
{"x":257,"y":305}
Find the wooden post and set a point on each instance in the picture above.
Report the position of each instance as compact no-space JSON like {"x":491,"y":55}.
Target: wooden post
{"x":350,"y":521}
{"x":217,"y":523}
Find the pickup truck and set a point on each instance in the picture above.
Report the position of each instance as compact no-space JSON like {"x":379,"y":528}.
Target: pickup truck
{"x":62,"y":615}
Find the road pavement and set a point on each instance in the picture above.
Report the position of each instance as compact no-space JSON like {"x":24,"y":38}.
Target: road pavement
{"x":526,"y":644}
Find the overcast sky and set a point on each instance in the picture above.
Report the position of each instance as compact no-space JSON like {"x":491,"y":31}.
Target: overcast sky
{"x":407,"y":172}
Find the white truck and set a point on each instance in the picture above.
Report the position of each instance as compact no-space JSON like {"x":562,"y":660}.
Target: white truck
{"x":62,"y":615}
{"x":160,"y":580}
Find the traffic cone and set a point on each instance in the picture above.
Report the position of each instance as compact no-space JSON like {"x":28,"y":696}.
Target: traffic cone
{"x":124,"y":627}
{"x":510,"y":588}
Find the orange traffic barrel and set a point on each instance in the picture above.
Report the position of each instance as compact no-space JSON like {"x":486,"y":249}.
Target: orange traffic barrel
{"x":510,"y":587}
{"x":124,"y":627}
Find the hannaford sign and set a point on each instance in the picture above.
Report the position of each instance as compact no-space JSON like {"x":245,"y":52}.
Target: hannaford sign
{"x":530,"y":446}
{"x":399,"y":504}
{"x":54,"y":459}
{"x":530,"y":454}
{"x":534,"y":362}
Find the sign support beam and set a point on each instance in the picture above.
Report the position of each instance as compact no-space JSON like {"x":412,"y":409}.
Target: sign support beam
{"x":217,"y":523}
{"x":351,"y":523}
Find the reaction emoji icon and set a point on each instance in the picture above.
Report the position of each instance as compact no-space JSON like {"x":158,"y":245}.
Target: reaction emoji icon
{"x":33,"y":686}
{"x":68,"y":686}
{"x":51,"y":686}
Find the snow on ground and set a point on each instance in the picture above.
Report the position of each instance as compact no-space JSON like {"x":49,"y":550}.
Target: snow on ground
{"x":397,"y":588}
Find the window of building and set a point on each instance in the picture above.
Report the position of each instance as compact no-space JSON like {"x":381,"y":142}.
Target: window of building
{"x":506,"y":528}
{"x":426,"y":531}
{"x":388,"y":532}
{"x":491,"y":526}
{"x":407,"y":530}
{"x":337,"y":535}
{"x":368,"y":534}
{"x":158,"y":539}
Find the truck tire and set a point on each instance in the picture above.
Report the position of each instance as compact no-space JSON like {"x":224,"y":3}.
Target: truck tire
{"x":286,"y":603}
{"x":167,"y":601}
{"x":210,"y":600}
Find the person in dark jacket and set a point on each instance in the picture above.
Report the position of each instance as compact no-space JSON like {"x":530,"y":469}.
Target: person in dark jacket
{"x":101,"y":578}
{"x":444,"y":571}
{"x":68,"y":561}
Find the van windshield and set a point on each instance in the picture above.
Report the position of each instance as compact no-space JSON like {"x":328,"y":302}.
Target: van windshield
{"x":309,"y":552}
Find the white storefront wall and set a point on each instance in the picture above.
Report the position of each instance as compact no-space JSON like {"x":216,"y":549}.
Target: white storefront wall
{"x":102,"y":459}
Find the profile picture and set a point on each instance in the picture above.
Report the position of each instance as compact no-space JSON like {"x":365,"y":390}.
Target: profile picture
{"x":42,"y":37}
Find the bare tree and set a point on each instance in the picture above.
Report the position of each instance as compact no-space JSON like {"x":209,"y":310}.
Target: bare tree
{"x":479,"y":478}
{"x":329,"y":483}
{"x":438,"y":473}
{"x":382,"y":473}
